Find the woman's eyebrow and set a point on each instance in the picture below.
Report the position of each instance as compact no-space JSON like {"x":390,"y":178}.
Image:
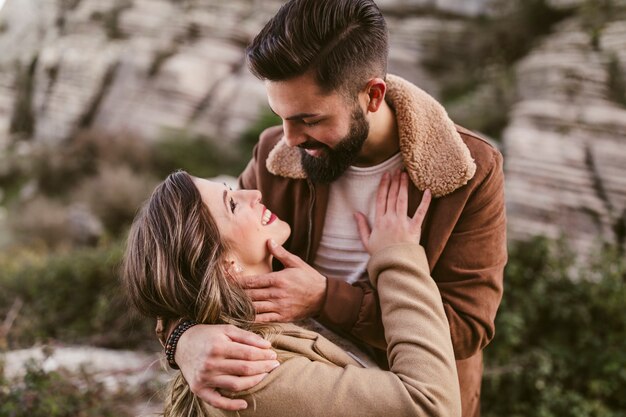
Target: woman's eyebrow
{"x":224,"y":198}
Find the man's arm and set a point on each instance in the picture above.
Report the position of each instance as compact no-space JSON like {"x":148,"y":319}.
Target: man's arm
{"x":470,"y":270}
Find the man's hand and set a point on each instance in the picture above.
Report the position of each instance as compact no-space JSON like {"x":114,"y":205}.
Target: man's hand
{"x":224,"y":357}
{"x":292,"y":294}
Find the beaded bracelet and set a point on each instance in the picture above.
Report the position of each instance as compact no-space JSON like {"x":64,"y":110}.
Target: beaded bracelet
{"x":172,"y":341}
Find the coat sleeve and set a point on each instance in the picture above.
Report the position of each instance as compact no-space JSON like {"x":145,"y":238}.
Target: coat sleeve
{"x":422,"y":380}
{"x":470,"y":270}
{"x":469,"y":274}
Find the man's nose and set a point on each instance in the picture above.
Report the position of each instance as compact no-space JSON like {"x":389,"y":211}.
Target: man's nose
{"x":293,"y":134}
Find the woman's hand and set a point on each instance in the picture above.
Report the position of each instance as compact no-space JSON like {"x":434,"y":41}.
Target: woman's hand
{"x":391,"y":224}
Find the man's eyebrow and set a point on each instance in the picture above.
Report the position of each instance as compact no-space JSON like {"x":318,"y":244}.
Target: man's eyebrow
{"x":298,"y":116}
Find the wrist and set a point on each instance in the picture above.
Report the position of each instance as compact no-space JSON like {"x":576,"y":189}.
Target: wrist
{"x":172,"y":341}
{"x":321,"y":299}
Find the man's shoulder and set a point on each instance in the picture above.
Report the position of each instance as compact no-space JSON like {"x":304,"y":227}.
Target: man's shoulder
{"x":269,"y":138}
{"x":485,"y":153}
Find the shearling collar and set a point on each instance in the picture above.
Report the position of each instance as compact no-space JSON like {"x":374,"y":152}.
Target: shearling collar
{"x":432,"y":150}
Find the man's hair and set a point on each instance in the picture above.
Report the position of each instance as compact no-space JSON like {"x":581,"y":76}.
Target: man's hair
{"x":343,"y":43}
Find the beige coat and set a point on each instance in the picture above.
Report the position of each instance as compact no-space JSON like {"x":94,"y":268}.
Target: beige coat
{"x":322,"y":380}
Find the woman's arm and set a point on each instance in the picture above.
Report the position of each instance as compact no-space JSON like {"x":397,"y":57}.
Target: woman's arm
{"x":423,"y":379}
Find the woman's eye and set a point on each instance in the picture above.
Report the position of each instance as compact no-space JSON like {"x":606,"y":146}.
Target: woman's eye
{"x":232,"y":205}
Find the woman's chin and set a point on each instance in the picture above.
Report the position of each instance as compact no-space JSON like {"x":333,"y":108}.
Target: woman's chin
{"x":283,"y":233}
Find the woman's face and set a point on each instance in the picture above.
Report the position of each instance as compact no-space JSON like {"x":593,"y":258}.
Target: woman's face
{"x":243,"y":221}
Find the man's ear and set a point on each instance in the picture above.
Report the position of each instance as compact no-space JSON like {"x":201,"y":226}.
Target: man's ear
{"x":375,"y":90}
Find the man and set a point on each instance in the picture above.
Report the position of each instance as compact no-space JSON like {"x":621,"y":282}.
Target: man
{"x":345,"y":123}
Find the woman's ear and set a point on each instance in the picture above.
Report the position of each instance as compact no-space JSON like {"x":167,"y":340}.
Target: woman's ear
{"x":375,"y":89}
{"x":233,"y":269}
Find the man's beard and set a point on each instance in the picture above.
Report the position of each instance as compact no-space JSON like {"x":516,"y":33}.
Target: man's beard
{"x":334,"y":162}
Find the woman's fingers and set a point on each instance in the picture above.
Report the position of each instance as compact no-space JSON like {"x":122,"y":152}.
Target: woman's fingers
{"x":381,"y":196}
{"x":420,"y":213}
{"x":363,"y":227}
{"x":402,"y":204}
{"x":392,"y":196}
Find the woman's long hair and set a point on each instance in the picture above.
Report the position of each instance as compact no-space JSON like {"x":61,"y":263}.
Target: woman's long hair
{"x":175,"y":267}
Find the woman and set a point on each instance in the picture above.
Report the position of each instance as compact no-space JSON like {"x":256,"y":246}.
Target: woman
{"x":194,"y":238}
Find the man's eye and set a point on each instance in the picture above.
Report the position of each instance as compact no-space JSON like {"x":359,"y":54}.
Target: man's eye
{"x":311,"y":124}
{"x":232,"y":205}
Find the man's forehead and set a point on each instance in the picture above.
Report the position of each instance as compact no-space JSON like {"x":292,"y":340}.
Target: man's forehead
{"x":290,"y":100}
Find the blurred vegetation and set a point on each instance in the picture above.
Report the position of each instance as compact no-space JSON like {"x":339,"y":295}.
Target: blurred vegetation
{"x":60,"y":282}
{"x":69,"y":208}
{"x":560,"y":347}
{"x":91,"y":187}
{"x":60,"y":393}
{"x":72,"y":296}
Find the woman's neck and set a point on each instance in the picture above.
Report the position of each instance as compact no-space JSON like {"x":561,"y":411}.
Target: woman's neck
{"x":263,"y":267}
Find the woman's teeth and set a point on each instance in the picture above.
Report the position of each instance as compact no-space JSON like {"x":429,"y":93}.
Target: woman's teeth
{"x":266,"y":217}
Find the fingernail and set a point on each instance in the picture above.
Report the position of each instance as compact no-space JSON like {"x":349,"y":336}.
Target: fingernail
{"x":275,"y":365}
{"x":243,"y":407}
{"x":273,"y":355}
{"x":273,"y":243}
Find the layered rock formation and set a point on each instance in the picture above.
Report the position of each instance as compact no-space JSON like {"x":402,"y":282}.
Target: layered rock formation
{"x":566,"y":143}
{"x":148,"y":65}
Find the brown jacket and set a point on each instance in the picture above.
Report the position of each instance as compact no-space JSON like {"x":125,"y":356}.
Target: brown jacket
{"x":322,"y":380}
{"x":464,"y":233}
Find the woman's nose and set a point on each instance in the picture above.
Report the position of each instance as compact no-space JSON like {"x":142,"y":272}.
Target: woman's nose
{"x":253,"y":196}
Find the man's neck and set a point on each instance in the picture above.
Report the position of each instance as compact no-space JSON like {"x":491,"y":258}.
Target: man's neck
{"x":383,"y":140}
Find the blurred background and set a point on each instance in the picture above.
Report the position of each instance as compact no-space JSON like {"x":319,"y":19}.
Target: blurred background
{"x":99,"y":100}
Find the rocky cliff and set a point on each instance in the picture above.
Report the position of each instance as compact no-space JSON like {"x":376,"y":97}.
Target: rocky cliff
{"x":565,"y":144}
{"x":148,"y":65}
{"x":145,"y":65}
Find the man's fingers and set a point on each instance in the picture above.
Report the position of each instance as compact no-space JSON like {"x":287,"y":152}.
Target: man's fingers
{"x":238,"y":383}
{"x":245,"y":368}
{"x":420,"y":213}
{"x":248,"y":353}
{"x":248,"y":338}
{"x":262,"y":294}
{"x":381,"y":196}
{"x":256,"y":281}
{"x":283,"y":255}
{"x":269,"y":318}
{"x":363,"y":227}
{"x":214,"y":398}
{"x":264,"y":307}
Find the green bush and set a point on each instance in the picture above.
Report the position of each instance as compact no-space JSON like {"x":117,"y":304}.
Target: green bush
{"x":75,"y":297}
{"x":59,"y":394}
{"x":560,"y":348}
